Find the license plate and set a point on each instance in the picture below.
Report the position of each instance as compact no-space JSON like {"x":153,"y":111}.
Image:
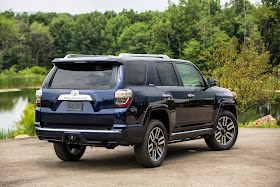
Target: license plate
{"x":75,"y":106}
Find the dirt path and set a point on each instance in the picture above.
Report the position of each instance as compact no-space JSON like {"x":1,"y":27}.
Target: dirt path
{"x":253,"y":161}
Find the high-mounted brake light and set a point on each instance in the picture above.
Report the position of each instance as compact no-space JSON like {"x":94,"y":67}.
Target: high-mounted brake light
{"x":234,"y":95}
{"x":38,"y":97}
{"x":122,"y":98}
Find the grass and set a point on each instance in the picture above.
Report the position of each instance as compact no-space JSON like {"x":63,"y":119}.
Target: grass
{"x":250,"y":124}
{"x":21,"y":81}
{"x":6,"y":134}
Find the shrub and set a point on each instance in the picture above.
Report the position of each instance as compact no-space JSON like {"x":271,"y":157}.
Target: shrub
{"x":26,"y":124}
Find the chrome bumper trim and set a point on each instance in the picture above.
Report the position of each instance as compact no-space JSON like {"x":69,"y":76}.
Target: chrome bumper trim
{"x":79,"y":130}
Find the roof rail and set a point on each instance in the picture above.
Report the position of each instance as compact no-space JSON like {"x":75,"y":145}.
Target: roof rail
{"x":79,"y":55}
{"x":127,"y":55}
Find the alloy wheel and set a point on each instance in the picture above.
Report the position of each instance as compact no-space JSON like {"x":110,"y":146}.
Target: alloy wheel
{"x":156,"y":144}
{"x":225,"y":130}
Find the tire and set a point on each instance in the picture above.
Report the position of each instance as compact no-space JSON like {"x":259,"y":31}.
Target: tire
{"x":155,"y":140}
{"x":69,"y":152}
{"x":225,"y":134}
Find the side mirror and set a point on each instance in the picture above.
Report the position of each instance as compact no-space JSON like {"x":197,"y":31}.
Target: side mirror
{"x":211,"y":82}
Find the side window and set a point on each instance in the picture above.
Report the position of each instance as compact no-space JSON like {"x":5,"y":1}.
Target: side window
{"x":190,"y":76}
{"x":136,"y":73}
{"x":167,"y":74}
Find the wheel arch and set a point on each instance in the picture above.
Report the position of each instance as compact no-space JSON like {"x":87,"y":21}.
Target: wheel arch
{"x":159,"y":112}
{"x":228,"y":105}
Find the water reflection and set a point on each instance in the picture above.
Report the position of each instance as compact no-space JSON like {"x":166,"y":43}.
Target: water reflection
{"x":12,"y":104}
{"x":257,"y":112}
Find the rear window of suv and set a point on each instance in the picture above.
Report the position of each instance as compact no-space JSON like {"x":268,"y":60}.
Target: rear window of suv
{"x":90,"y":76}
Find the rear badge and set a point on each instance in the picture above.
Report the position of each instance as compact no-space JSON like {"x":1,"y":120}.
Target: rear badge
{"x":74,"y":92}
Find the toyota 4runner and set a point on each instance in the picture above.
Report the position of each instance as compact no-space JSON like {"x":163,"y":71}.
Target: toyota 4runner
{"x":143,"y":100}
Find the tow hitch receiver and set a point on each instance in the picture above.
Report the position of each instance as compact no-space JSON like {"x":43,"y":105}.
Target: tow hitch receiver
{"x":73,"y":138}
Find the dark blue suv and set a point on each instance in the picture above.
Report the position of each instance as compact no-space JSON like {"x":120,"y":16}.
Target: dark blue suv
{"x":143,"y":100}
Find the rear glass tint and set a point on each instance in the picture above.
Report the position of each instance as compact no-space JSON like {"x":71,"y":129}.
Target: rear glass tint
{"x":136,"y":73}
{"x":167,"y":74}
{"x":84,"y":76}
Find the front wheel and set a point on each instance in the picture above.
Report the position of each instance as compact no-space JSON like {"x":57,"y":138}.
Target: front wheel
{"x":69,"y":152}
{"x":225,"y":134}
{"x":152,"y":151}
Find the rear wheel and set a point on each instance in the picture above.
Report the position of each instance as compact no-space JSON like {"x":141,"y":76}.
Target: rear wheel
{"x":152,"y":151}
{"x":225,"y":134}
{"x":69,"y":152}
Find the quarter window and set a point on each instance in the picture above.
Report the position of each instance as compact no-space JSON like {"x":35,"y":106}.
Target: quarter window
{"x":136,"y":73}
{"x":190,"y":76}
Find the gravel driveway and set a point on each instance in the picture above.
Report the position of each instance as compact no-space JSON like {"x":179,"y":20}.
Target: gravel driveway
{"x":253,"y":161}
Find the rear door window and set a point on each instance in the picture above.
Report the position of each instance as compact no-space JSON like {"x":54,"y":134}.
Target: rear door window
{"x":167,"y":74}
{"x":136,"y":73}
{"x":92,"y":76}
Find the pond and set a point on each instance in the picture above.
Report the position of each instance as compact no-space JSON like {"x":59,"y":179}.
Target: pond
{"x":13,"y":103}
{"x":257,"y":112}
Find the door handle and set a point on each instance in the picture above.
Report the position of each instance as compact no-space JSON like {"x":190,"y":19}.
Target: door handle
{"x":168,"y":97}
{"x":191,"y":95}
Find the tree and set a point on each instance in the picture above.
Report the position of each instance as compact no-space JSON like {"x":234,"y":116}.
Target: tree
{"x":40,"y":41}
{"x":247,"y":72}
{"x":134,"y":39}
{"x":161,"y":34}
{"x":8,"y":36}
{"x":62,"y":31}
{"x":112,"y":31}
{"x":87,"y":33}
{"x":192,"y":50}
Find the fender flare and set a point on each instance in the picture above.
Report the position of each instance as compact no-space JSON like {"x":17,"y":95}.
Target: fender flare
{"x":221,"y":107}
{"x":157,"y":107}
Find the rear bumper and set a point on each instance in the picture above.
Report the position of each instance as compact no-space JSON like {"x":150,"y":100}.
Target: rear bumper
{"x":120,"y":134}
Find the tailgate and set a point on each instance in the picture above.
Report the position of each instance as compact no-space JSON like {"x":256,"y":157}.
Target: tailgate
{"x":79,"y":96}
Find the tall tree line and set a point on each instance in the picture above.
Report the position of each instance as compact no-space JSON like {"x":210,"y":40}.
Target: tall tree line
{"x":191,"y":30}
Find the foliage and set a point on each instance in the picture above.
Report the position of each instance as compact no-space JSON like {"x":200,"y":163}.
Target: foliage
{"x":35,"y":70}
{"x":245,"y":69}
{"x":134,"y":39}
{"x":26,"y":124}
{"x":29,"y":77}
{"x":190,"y":30}
{"x":250,"y":124}
{"x":41,"y":41}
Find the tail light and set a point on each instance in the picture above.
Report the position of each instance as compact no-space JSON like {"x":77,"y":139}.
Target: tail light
{"x":38,"y":97}
{"x":122,"y":98}
{"x":234,"y":95}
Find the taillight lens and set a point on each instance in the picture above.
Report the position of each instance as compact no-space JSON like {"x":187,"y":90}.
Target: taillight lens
{"x":122,"y":98}
{"x":234,"y":95}
{"x":38,"y":97}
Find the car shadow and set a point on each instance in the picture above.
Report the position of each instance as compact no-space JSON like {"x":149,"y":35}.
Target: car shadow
{"x":120,"y":160}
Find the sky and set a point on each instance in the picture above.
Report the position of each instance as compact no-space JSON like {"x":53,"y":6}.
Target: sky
{"x":86,"y":6}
